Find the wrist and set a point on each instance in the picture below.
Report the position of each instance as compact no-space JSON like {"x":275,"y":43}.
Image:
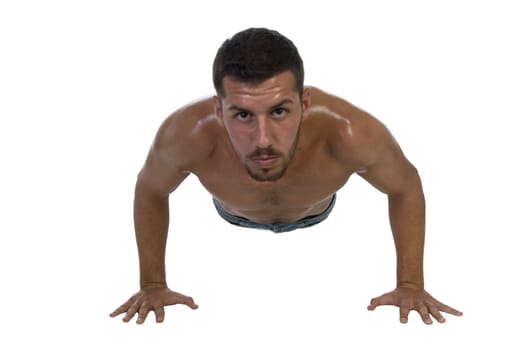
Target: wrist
{"x":153,"y":284}
{"x":415,"y":285}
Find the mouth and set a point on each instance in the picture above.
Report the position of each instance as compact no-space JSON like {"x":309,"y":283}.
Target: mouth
{"x":265,"y":162}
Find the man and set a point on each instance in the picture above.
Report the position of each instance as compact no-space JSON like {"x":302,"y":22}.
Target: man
{"x":273,"y":154}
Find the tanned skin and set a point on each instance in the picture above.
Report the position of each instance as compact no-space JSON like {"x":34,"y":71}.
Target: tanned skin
{"x":271,"y":154}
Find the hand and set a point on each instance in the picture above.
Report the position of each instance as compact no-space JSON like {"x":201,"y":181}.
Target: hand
{"x":414,"y":299}
{"x":155,"y":299}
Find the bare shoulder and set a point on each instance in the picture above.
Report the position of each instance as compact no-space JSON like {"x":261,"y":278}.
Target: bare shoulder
{"x":187,"y":135}
{"x":356,"y":137}
{"x":186,"y":138}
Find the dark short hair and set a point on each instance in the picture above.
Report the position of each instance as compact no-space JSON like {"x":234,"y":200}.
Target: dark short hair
{"x":254,"y":55}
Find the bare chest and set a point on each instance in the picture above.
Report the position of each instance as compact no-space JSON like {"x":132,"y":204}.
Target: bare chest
{"x":305,"y":189}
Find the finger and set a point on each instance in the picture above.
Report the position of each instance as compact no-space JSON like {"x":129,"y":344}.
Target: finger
{"x":449,"y":310}
{"x":424,"y":313}
{"x":159,"y":314}
{"x":436,"y":314}
{"x":131,"y":312}
{"x":142,"y":314}
{"x":404,"y":314}
{"x":120,"y":310}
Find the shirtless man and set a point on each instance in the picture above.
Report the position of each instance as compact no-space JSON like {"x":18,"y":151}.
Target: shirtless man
{"x":273,"y":154}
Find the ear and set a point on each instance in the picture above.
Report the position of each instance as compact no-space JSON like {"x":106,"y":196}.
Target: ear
{"x":217,"y":109}
{"x":305,"y":100}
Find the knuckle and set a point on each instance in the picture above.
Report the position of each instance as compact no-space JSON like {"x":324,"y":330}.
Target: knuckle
{"x":158,"y":306}
{"x":145,"y":306}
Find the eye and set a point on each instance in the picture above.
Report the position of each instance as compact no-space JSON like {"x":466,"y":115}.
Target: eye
{"x":279,"y":112}
{"x":242,"y":116}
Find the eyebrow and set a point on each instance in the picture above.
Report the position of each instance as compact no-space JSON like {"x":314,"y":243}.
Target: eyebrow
{"x":280,"y":104}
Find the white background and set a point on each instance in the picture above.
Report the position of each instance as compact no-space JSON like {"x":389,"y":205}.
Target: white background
{"x":83,"y":89}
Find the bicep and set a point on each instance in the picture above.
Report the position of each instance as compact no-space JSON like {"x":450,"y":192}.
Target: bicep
{"x":391,"y":173}
{"x":367,"y":147}
{"x":182,"y":141}
{"x":164,"y":170}
{"x":159,"y":175}
{"x":387,"y":168}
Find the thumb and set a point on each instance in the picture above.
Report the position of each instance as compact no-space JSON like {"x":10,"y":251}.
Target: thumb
{"x":178,"y":298}
{"x":373,"y":304}
{"x":385,"y":299}
{"x":188,"y":301}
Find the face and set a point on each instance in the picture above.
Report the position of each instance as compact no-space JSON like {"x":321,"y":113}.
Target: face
{"x":262,"y":122}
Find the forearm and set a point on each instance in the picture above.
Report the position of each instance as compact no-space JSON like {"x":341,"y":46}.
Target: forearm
{"x":151,"y":216}
{"x":407,"y":218}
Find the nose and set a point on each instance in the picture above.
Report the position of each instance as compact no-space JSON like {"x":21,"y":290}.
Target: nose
{"x":263,"y":132}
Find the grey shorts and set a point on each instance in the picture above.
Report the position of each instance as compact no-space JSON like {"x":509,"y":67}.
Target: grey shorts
{"x":276,"y":228}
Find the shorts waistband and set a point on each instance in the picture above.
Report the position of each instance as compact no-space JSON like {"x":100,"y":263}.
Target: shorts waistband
{"x":276,"y":228}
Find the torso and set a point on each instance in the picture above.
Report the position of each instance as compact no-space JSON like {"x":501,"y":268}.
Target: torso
{"x":313,"y":176}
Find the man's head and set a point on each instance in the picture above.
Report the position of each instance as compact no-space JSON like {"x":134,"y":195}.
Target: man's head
{"x":254,"y":55}
{"x":258,"y":75}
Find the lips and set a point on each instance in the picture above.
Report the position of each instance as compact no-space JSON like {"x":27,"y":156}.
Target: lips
{"x":265,"y":162}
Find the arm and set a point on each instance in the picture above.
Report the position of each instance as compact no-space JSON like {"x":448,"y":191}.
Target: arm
{"x":382,"y":163}
{"x":173,"y":150}
{"x":390,"y":172}
{"x":151,"y":217}
{"x":395,"y":176}
{"x":407,"y":218}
